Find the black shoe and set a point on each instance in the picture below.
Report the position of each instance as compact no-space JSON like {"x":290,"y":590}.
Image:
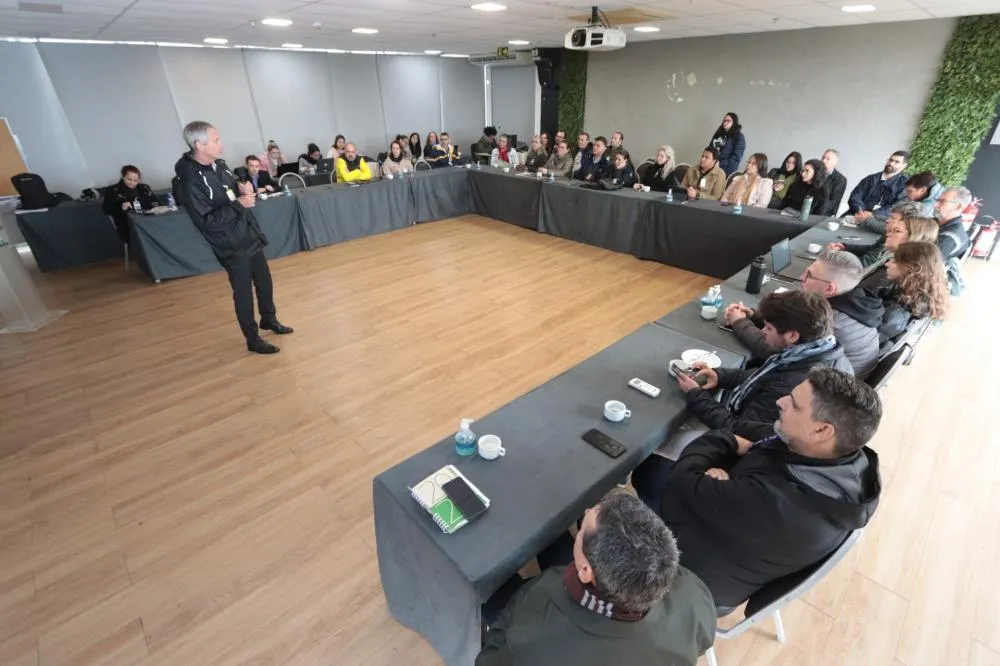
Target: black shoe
{"x":277,"y":327}
{"x":259,"y":346}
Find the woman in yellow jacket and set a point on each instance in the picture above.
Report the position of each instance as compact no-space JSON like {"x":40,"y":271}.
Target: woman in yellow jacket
{"x":351,"y":167}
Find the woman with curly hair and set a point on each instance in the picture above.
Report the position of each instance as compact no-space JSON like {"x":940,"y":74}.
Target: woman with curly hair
{"x":917,"y":288}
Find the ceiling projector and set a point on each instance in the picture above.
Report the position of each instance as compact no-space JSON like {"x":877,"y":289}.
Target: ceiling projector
{"x":598,"y":36}
{"x":595,"y":38}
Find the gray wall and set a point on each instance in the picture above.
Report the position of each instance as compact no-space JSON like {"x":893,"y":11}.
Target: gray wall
{"x":513,"y":92}
{"x":860,"y":89}
{"x":82,"y":111}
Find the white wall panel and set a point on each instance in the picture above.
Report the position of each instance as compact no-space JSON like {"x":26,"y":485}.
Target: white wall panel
{"x":463,"y":103}
{"x":357,"y":101}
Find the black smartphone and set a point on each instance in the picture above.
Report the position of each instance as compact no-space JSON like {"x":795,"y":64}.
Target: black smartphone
{"x":849,"y":238}
{"x":464,"y":498}
{"x":725,"y":328}
{"x":604,"y":443}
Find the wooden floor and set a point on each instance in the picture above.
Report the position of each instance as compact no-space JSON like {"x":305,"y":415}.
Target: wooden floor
{"x":167,"y":498}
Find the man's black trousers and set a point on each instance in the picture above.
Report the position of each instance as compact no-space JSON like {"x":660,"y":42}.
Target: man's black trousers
{"x":244,"y":273}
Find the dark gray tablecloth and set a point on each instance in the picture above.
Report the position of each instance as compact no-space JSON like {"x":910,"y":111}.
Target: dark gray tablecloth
{"x":438,"y":194}
{"x":612,"y":220}
{"x":170,"y":246}
{"x":435,"y":583}
{"x":706,"y":237}
{"x":72,"y":234}
{"x":505,"y":197}
{"x":338,"y":213}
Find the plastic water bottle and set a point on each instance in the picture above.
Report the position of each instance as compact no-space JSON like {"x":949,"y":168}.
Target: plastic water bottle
{"x":465,"y":439}
{"x":287,"y":191}
{"x":171,"y":202}
{"x":137,"y":205}
{"x":670,"y":196}
{"x":737,"y":208}
{"x":807,"y":205}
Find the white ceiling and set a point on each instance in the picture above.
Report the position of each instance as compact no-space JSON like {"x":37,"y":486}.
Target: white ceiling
{"x":448,"y":25}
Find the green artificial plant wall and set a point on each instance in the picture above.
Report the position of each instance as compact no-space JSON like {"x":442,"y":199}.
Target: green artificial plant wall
{"x":572,"y":81}
{"x":962,"y":103}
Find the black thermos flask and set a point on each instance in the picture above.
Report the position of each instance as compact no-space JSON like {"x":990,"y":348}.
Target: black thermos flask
{"x":756,"y":278}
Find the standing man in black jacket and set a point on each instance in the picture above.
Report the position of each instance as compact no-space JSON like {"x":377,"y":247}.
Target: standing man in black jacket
{"x":746,"y":514}
{"x":221,"y":209}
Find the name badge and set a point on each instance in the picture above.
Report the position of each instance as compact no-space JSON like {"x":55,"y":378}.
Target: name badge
{"x":230,"y":194}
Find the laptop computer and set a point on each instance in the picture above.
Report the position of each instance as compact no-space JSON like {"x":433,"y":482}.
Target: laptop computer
{"x":781,"y":259}
{"x":325,"y":165}
{"x":287,"y":167}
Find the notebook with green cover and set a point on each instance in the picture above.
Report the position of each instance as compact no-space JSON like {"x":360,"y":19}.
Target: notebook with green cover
{"x":429,"y":494}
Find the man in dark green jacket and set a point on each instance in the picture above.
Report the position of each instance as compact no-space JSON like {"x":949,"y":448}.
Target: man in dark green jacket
{"x":623,"y":600}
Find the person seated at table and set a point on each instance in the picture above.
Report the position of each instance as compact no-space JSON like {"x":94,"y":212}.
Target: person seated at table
{"x":747,"y":513}
{"x":953,"y":240}
{"x":309,"y":159}
{"x":258,"y":177}
{"x":729,"y":143}
{"x":351,"y":167}
{"x":583,"y":154}
{"x":836,"y":276}
{"x":751,"y":188}
{"x":873,"y":255}
{"x":617,"y":141}
{"x":504,"y":155}
{"x":432,"y":141}
{"x":808,"y":184}
{"x":272,"y":158}
{"x":560,"y":136}
{"x":120,"y":198}
{"x":657,"y":177}
{"x":404,"y":146}
{"x":871,"y":199}
{"x":337,"y":149}
{"x":413,"y":147}
{"x":622,"y":169}
{"x":546,"y":143}
{"x":785,"y":175}
{"x":925,"y":189}
{"x":560,"y":163}
{"x":537,"y":155}
{"x":622,"y":599}
{"x":599,"y":165}
{"x":707,"y":180}
{"x":835,"y":183}
{"x":395,"y":163}
{"x":798,"y":325}
{"x":444,"y":154}
{"x":487,"y":142}
{"x":916,"y":287}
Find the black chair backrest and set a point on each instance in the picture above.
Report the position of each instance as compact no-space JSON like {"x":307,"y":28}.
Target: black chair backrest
{"x":643,"y":169}
{"x":729,"y":178}
{"x":175,"y":187}
{"x":241,"y":173}
{"x":880,"y":376}
{"x":677,"y":175}
{"x":34,"y":194}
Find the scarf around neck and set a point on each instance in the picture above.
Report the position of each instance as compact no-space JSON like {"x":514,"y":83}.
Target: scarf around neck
{"x":586,"y":596}
{"x":793,"y":354}
{"x":503,"y":153}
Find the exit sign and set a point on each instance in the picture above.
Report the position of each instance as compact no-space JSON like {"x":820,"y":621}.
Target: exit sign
{"x":502,"y":52}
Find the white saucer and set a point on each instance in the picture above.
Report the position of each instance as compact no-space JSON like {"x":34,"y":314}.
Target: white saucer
{"x":692,"y":356}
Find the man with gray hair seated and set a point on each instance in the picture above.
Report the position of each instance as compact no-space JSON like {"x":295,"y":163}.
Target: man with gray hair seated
{"x":623,"y":599}
{"x":834,"y":275}
{"x":953,"y":240}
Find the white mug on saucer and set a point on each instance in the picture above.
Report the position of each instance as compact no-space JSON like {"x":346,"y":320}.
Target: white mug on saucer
{"x":709,"y":312}
{"x":615,"y":411}
{"x":645,"y":188}
{"x":388,"y":176}
{"x":815,"y":248}
{"x":490,"y":447}
{"x":832,"y":226}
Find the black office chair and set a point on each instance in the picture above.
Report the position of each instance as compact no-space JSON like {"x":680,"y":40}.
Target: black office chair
{"x":730,"y":177}
{"x":769,"y":600}
{"x":677,"y":175}
{"x":643,"y":169}
{"x":34,"y":194}
{"x":293,"y":180}
{"x":887,"y":366}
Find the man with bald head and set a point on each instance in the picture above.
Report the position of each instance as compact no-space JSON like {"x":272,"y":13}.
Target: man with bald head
{"x":351,"y":167}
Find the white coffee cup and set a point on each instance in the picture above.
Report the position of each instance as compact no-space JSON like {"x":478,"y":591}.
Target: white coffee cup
{"x":615,"y":411}
{"x":506,"y":169}
{"x":815,"y":248}
{"x":832,"y":226}
{"x":709,"y":312}
{"x":490,"y":447}
{"x":389,"y":176}
{"x":469,"y":165}
{"x":645,"y":188}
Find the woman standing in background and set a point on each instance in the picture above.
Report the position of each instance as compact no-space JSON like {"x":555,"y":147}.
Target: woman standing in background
{"x":728,"y":140}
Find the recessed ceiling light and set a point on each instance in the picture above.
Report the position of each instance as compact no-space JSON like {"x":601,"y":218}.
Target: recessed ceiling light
{"x":489,"y":7}
{"x":291,"y":46}
{"x":277,"y":22}
{"x":518,"y":42}
{"x":646,"y":28}
{"x":454,"y":55}
{"x":858,"y":9}
{"x":365,"y":52}
{"x":432,"y":52}
{"x":216,"y":40}
{"x":365,"y":31}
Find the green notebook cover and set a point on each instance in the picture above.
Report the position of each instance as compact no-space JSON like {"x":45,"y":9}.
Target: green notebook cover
{"x":430,"y":494}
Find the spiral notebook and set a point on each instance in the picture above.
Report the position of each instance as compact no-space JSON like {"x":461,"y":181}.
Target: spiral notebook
{"x":430,"y":495}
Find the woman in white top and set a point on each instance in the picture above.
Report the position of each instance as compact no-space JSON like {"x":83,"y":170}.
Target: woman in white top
{"x":751,"y":188}
{"x":272,"y":158}
{"x":337,"y":149}
{"x":504,"y":155}
{"x":396,"y":163}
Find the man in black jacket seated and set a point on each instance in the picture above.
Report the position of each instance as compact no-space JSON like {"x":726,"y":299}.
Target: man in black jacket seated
{"x":835,"y":183}
{"x":746,"y":514}
{"x":799,"y":325}
{"x":220,"y":207}
{"x":258,"y":176}
{"x":599,"y":166}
